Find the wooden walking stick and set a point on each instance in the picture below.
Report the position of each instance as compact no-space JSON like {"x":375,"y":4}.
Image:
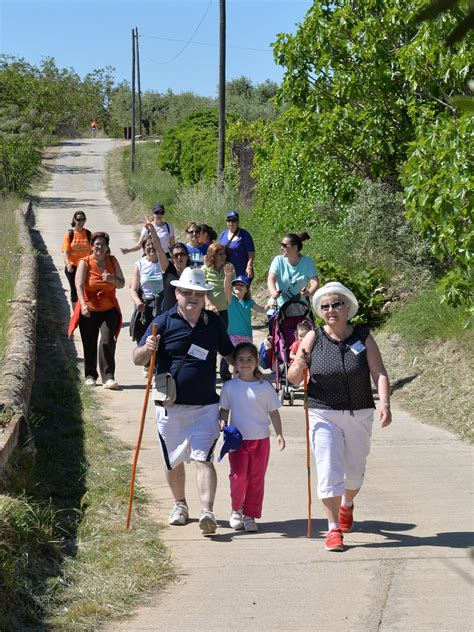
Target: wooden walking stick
{"x":142,"y":425}
{"x":308,"y":451}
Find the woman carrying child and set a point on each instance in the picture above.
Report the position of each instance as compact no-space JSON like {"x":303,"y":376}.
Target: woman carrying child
{"x":241,"y":303}
{"x":252,"y":402}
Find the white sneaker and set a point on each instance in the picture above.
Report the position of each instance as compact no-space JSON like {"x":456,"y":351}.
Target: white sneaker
{"x":179,"y":514}
{"x":90,"y":381}
{"x":235,"y":521}
{"x":207,"y":522}
{"x":249,"y":524}
{"x":111,"y":384}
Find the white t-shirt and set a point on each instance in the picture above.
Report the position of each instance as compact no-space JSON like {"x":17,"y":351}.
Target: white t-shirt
{"x":250,"y":403}
{"x":163,"y":235}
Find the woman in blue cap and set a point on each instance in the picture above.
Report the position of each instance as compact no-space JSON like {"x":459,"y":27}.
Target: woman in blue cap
{"x":239,"y":244}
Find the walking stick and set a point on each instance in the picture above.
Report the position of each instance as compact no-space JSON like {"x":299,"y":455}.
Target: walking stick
{"x":308,"y":452}
{"x":140,"y":434}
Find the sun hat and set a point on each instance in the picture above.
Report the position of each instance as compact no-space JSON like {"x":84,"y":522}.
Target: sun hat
{"x":232,"y":441}
{"x":158,"y":208}
{"x":241,"y":279}
{"x":334,"y":287}
{"x":193,"y":279}
{"x":232,"y":214}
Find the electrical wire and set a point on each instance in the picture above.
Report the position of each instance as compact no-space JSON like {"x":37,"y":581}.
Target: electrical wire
{"x":170,"y":39}
{"x":187,"y":42}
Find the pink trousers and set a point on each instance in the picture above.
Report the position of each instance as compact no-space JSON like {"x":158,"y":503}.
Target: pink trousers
{"x":248,"y":465}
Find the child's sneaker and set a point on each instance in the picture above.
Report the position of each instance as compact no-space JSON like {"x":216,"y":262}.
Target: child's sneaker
{"x":249,"y":524}
{"x":207,"y":522}
{"x":346,"y":518}
{"x":236,"y":520}
{"x":334,"y":540}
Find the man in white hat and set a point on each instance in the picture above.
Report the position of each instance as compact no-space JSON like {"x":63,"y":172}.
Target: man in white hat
{"x":189,"y":338}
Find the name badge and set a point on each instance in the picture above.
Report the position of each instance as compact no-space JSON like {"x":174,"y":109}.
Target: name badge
{"x":357,"y":347}
{"x":198,"y":352}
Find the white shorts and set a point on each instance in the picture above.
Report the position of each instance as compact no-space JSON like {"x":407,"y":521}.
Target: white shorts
{"x":341,"y":445}
{"x":187,"y":433}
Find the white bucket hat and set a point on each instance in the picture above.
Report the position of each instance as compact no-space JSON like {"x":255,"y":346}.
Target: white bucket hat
{"x":334,"y":287}
{"x":193,"y":279}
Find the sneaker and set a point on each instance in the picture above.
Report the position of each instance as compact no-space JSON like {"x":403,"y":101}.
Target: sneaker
{"x":145,"y":371}
{"x":179,"y":514}
{"x":90,"y":381}
{"x":249,"y":524}
{"x":207,"y":522}
{"x":111,"y":384}
{"x":346,"y":518}
{"x":236,"y":520}
{"x":334,"y":540}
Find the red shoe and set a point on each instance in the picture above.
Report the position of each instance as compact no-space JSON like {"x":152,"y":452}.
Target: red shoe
{"x":346,"y":518}
{"x":334,"y":540}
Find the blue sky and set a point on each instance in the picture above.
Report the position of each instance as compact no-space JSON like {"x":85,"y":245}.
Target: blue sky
{"x":90,"y":34}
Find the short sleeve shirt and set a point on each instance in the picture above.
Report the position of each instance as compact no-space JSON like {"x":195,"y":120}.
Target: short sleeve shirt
{"x":238,"y":249}
{"x":78,"y":247}
{"x":240,"y":317}
{"x":292,"y":279}
{"x":249,"y":404}
{"x":197,"y":254}
{"x":164,"y":232}
{"x":196,"y":379}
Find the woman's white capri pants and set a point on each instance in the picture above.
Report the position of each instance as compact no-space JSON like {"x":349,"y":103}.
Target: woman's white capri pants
{"x":341,"y":444}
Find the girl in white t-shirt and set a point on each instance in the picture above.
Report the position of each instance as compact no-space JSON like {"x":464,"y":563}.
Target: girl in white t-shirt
{"x":253,"y":403}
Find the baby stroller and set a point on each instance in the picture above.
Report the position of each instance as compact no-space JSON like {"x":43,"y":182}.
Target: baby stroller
{"x":283,"y":333}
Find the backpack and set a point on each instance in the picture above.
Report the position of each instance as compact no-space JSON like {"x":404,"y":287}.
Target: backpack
{"x":70,"y":232}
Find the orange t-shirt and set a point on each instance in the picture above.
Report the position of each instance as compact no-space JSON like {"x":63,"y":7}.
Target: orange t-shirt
{"x":78,"y":248}
{"x":99,"y":295}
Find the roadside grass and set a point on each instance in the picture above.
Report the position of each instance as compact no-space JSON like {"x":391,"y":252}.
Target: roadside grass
{"x":80,"y":566}
{"x":9,"y":263}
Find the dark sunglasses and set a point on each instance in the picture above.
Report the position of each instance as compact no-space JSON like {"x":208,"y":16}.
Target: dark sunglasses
{"x":231,"y":220}
{"x":175,"y":255}
{"x":283,"y":245}
{"x":80,"y":219}
{"x":327,"y":306}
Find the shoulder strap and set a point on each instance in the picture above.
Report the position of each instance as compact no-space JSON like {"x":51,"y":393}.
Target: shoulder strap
{"x":168,"y":228}
{"x":70,"y":232}
{"x":233,"y":235}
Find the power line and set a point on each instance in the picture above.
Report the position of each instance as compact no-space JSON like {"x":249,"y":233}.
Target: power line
{"x":170,"y":39}
{"x":187,"y":42}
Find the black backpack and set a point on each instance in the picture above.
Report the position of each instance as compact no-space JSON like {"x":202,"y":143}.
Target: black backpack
{"x":71,"y":235}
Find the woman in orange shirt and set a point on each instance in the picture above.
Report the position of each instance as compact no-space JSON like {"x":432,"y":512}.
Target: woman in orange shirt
{"x":97,"y":278}
{"x":76,"y":245}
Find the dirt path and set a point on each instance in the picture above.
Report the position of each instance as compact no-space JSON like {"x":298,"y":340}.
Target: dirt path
{"x":407,"y":566}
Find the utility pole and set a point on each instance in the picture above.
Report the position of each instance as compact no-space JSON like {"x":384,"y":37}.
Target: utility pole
{"x":132,"y":148}
{"x":138,"y":84}
{"x":221,"y":141}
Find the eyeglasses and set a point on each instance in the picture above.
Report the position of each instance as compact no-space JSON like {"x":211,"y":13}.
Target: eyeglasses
{"x":191,"y":292}
{"x":193,"y":232}
{"x":327,"y":306}
{"x":80,"y":219}
{"x":231,"y":220}
{"x":150,"y":247}
{"x":175,"y":255}
{"x":283,"y":245}
{"x":99,"y":245}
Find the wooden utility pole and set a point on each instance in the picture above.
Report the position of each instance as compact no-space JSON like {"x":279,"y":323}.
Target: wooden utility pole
{"x":138,"y":84}
{"x":221,"y":141}
{"x":132,"y":148}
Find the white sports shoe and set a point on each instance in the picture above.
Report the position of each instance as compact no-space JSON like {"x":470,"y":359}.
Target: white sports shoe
{"x":179,"y":514}
{"x":111,"y":384}
{"x":249,"y":524}
{"x":90,"y":381}
{"x":236,"y":520}
{"x":207,"y":522}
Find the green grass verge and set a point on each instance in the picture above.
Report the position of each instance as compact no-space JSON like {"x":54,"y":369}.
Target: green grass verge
{"x":9,"y":263}
{"x":66,"y":560}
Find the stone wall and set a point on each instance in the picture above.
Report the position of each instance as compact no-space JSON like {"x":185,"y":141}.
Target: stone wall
{"x":17,"y":372}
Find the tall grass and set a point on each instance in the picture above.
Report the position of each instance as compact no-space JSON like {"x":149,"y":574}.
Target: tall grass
{"x":9,"y":262}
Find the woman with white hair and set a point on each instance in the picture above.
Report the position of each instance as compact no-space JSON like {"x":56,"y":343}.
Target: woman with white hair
{"x":341,"y":358}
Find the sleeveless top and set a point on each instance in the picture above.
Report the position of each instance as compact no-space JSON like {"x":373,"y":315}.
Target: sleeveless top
{"x":151,"y":277}
{"x":339,"y":378}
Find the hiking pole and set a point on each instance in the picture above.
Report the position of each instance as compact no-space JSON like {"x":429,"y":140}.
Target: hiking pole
{"x":308,"y":452}
{"x":142,"y":425}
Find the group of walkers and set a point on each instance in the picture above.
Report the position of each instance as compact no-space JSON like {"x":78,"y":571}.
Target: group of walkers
{"x":198,"y":294}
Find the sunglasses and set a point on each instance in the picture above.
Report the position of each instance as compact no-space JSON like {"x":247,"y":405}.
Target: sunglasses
{"x":327,"y":306}
{"x":231,"y":221}
{"x":283,"y":245}
{"x":175,"y":255}
{"x":191,"y":292}
{"x":193,"y":232}
{"x":80,"y":219}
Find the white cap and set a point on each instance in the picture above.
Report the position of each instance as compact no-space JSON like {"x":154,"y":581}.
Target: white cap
{"x":193,"y":279}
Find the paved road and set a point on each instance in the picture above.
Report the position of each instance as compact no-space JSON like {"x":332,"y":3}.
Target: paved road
{"x":407,"y":566}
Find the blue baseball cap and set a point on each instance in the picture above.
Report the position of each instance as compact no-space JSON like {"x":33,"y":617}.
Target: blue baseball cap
{"x":232,"y":215}
{"x":232,"y":441}
{"x":241,"y":279}
{"x":158,"y":208}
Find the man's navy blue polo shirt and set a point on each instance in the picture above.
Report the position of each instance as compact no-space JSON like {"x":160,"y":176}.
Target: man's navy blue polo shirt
{"x":196,"y":379}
